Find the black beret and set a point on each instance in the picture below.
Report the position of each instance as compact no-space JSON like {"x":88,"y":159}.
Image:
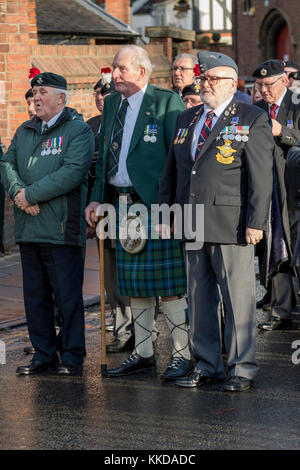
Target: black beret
{"x":28,"y":94}
{"x":269,"y":69}
{"x":49,"y":79}
{"x":192,"y":89}
{"x":290,"y":63}
{"x":108,"y":88}
{"x":209,"y":60}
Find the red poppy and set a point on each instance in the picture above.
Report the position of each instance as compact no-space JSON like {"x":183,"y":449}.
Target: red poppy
{"x":106,"y":70}
{"x":197,"y":70}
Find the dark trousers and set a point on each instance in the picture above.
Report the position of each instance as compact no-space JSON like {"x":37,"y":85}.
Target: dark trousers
{"x":54,"y":272}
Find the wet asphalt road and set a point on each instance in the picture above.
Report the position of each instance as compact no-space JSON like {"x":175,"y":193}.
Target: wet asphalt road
{"x":140,"y":412}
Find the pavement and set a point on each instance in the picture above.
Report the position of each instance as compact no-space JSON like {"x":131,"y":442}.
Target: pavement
{"x":12,"y":313}
{"x":140,"y":413}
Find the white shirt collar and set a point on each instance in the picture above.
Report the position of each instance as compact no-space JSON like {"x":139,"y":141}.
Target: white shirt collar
{"x":219,"y":110}
{"x":136,"y":99}
{"x":280,"y":100}
{"x":52,"y":120}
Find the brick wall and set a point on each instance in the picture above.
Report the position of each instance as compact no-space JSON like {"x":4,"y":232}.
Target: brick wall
{"x":80,"y":64}
{"x":118,"y":8}
{"x":249,"y":53}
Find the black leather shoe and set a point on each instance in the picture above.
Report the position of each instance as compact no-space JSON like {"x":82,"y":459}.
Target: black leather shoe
{"x":275,"y":324}
{"x":29,"y":350}
{"x":133,"y":364}
{"x":120,"y":346}
{"x":179,"y":367}
{"x":35,"y":367}
{"x":237,"y":384}
{"x":196,"y":379}
{"x":69,"y":369}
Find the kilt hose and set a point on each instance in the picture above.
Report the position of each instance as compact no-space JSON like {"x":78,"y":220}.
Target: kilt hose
{"x":158,"y":270}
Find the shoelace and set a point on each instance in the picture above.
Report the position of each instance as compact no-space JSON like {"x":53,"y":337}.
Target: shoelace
{"x":176,"y":362}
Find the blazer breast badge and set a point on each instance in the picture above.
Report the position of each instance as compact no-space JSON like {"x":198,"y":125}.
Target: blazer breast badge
{"x":226,"y":153}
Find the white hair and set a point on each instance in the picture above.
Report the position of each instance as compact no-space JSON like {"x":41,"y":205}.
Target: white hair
{"x":65,"y":92}
{"x":140,"y":58}
{"x":185,"y":55}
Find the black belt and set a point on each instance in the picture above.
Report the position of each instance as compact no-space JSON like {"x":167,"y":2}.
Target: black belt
{"x":128,"y":191}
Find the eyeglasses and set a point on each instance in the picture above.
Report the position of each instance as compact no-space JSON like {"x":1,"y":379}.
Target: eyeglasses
{"x":268,"y":86}
{"x":213,"y":80}
{"x":181,"y":69}
{"x":192,"y":101}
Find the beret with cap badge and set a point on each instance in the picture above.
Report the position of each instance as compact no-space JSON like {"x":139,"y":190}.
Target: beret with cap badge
{"x":269,"y":68}
{"x":49,"y":79}
{"x":209,"y":60}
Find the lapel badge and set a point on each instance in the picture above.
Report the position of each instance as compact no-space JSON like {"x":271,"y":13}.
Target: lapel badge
{"x":115,"y":146}
{"x":226,"y":153}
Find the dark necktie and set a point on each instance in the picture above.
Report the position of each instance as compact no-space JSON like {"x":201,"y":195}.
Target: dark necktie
{"x":204,"y":132}
{"x":273,"y":108}
{"x":116,"y":142}
{"x":45,"y":127}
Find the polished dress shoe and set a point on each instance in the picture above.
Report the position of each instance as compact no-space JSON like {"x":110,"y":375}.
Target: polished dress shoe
{"x":195,"y":379}
{"x":120,"y":346}
{"x":179,"y":367}
{"x":237,"y":384}
{"x":29,"y":350}
{"x":66,"y":368}
{"x":36,"y":367}
{"x":275,"y":323}
{"x":133,"y":364}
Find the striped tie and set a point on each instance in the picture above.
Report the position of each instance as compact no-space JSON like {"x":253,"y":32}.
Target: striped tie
{"x":116,"y":142}
{"x":273,"y":109}
{"x":204,"y":132}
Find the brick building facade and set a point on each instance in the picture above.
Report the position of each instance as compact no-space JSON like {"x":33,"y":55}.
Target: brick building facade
{"x":265,"y":29}
{"x":80,"y":64}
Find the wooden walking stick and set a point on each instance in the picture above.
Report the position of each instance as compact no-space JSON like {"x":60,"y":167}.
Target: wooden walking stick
{"x":102,"y":291}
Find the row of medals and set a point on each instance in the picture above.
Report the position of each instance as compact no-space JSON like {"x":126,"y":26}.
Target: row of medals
{"x":49,"y":151}
{"x":237,"y":137}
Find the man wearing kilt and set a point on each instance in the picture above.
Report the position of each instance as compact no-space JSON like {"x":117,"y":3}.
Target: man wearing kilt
{"x":136,"y":133}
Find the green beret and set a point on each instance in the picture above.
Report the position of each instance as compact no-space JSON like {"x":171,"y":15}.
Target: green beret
{"x":209,"y":60}
{"x":49,"y":79}
{"x":269,"y":69}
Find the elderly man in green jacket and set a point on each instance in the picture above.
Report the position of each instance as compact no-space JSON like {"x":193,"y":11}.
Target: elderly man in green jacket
{"x":45,"y":173}
{"x":137,"y":130}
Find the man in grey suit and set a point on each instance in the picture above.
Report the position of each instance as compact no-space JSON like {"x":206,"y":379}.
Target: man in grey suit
{"x":225,"y":163}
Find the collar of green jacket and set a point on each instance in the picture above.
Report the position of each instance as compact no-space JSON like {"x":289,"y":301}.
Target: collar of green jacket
{"x":68,"y":114}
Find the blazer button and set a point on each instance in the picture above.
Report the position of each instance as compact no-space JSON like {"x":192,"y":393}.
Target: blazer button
{"x":193,"y":172}
{"x":192,"y":195}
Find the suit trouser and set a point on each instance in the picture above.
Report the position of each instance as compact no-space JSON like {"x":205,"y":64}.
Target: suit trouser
{"x":57,"y":270}
{"x":282,"y":295}
{"x":124,"y":321}
{"x":232,"y":268}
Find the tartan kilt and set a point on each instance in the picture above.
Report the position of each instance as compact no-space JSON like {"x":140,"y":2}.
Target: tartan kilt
{"x":158,"y":270}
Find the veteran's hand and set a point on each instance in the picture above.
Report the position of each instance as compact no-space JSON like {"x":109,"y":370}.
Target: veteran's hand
{"x":253,"y":236}
{"x":276,"y":128}
{"x":33,"y":210}
{"x":91,"y":208}
{"x":20,"y":200}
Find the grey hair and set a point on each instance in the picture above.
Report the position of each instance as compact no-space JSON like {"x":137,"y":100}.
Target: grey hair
{"x":185,"y":55}
{"x":65,"y":92}
{"x":140,"y":58}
